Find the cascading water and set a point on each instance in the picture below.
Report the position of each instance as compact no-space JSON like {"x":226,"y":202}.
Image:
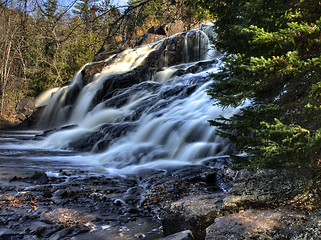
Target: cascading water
{"x":144,"y":107}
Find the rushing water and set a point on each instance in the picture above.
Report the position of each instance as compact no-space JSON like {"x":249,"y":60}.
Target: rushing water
{"x":128,"y":121}
{"x":156,"y":123}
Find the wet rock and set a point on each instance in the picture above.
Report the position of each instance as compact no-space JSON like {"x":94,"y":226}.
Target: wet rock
{"x":134,"y":195}
{"x":53,"y":130}
{"x":90,"y":70}
{"x":39,"y":178}
{"x":184,"y":235}
{"x":65,"y":215}
{"x":47,"y":194}
{"x":70,"y":232}
{"x":105,"y":53}
{"x":62,"y":193}
{"x":48,"y":230}
{"x":266,"y":224}
{"x":121,"y":81}
{"x":100,"y":140}
{"x":268,"y":188}
{"x":199,"y":67}
{"x":195,"y":214}
{"x":16,"y":178}
{"x":9,"y":236}
{"x":150,"y":38}
{"x":71,"y":95}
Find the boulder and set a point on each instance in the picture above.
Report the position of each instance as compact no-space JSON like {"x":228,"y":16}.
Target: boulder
{"x":279,"y":223}
{"x":25,"y":108}
{"x":184,"y":235}
{"x":90,"y":70}
{"x":69,"y":216}
{"x":150,"y":38}
{"x":39,"y":178}
{"x":121,"y":81}
{"x":193,"y":213}
{"x":268,"y":188}
{"x":104,"y":54}
{"x":175,"y":27}
{"x":153,"y":34}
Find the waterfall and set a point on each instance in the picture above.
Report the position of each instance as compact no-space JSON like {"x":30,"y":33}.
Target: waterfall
{"x":144,"y":107}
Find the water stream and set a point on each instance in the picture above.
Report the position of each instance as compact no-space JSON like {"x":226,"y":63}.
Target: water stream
{"x":157,"y":122}
{"x":143,"y":109}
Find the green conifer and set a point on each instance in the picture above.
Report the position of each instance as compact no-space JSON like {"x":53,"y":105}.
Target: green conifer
{"x":273,"y":60}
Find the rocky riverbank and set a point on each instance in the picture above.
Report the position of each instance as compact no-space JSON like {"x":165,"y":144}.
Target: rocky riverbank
{"x":262,"y":204}
{"x":75,"y":204}
{"x":184,"y":203}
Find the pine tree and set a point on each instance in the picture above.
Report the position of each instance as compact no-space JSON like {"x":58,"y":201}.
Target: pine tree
{"x":86,"y":10}
{"x":274,"y":61}
{"x":50,"y":8}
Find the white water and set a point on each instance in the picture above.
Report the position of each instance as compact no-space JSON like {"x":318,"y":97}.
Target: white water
{"x":176,"y":134}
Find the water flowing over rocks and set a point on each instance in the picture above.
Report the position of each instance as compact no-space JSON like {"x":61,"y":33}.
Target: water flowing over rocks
{"x":126,"y":152}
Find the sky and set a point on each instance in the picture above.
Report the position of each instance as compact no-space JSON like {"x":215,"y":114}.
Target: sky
{"x":116,"y":2}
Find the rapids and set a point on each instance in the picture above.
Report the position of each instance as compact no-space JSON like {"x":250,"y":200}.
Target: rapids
{"x":156,"y":118}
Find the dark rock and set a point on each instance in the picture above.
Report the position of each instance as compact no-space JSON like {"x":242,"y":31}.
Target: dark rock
{"x":177,"y":26}
{"x":102,"y":55}
{"x":100,"y":140}
{"x":47,"y":194}
{"x":121,"y":81}
{"x":266,"y":224}
{"x":184,"y":235}
{"x":9,"y":236}
{"x":62,"y":193}
{"x":15,"y":178}
{"x":53,"y":130}
{"x":48,"y":230}
{"x":70,"y":232}
{"x":71,"y":95}
{"x":150,"y":38}
{"x":25,"y":108}
{"x":90,"y":70}
{"x":167,"y":30}
{"x":134,"y":195}
{"x":195,"y":214}
{"x":39,"y":178}
{"x":153,"y":34}
{"x":199,"y":67}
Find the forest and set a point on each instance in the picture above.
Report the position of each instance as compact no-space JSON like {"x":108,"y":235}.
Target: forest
{"x":272,"y":60}
{"x":44,"y":43}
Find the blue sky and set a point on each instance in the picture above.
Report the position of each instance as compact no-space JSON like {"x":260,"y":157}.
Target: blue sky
{"x":116,"y":2}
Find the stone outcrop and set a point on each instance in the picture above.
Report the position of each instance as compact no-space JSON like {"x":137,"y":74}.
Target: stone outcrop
{"x":154,"y":34}
{"x":195,"y":214}
{"x":25,"y":108}
{"x":281,"y":223}
{"x":267,"y":188}
{"x":184,"y":235}
{"x":261,"y":204}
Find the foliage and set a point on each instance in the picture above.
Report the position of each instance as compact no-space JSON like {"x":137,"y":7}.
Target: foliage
{"x":273,"y":60}
{"x":159,"y":12}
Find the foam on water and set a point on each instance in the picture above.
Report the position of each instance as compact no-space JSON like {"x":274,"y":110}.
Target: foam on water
{"x":177,"y":133}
